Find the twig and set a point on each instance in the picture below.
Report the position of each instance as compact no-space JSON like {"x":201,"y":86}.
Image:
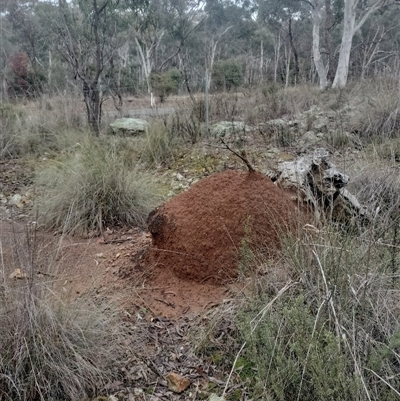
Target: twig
{"x":381,"y":378}
{"x":328,"y":295}
{"x":240,"y":156}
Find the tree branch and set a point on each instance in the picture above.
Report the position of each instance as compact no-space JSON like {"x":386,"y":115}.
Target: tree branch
{"x":240,"y":156}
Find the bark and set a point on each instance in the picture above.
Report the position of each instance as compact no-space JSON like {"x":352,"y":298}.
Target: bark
{"x":294,"y":50}
{"x":350,"y":27}
{"x":277,"y":49}
{"x":317,"y":16}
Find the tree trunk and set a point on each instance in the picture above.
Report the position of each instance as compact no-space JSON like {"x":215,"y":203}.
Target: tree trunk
{"x":261,"y":60}
{"x":146,"y":65}
{"x":91,"y":90}
{"x":349,"y":29}
{"x":277,"y":49}
{"x":345,"y":47}
{"x":91,"y":95}
{"x":288,"y":54}
{"x":319,"y":64}
{"x":294,"y":50}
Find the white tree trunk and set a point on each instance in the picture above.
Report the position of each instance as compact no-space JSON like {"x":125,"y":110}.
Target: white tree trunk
{"x":145,"y":65}
{"x":261,"y":60}
{"x":350,"y":27}
{"x":209,"y":69}
{"x":319,"y":64}
{"x":288,"y":53}
{"x":277,"y":49}
{"x":349,"y":21}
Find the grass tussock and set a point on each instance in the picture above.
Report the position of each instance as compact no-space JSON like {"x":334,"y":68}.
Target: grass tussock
{"x":54,"y":351}
{"x":51,"y":349}
{"x":378,"y":109}
{"x":92,"y":189}
{"x":160,"y":144}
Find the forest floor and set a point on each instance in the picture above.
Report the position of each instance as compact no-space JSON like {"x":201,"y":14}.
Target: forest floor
{"x":171,"y":316}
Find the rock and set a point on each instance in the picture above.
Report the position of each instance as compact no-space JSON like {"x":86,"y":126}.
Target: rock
{"x":225,"y":128}
{"x":214,"y":397}
{"x":278,"y":122}
{"x":17,"y":200}
{"x":309,"y":139}
{"x":322,"y":124}
{"x":129,"y":126}
{"x":177,"y":383}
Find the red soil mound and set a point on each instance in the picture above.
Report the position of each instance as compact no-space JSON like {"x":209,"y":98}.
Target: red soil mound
{"x":198,"y":234}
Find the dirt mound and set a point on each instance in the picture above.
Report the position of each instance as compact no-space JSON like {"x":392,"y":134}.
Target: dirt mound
{"x":200,"y":234}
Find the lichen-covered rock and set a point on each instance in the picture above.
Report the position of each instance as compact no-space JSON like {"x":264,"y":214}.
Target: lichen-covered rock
{"x":129,"y":126}
{"x":225,"y":128}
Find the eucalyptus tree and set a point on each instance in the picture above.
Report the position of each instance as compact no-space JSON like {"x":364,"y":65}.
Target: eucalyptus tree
{"x":355,"y":14}
{"x":282,"y":17}
{"x":376,"y":47}
{"x":185,"y":18}
{"x":88,"y":37}
{"x":149,"y":26}
{"x":28,"y":37}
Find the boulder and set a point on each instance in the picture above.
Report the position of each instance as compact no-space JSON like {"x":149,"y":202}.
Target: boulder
{"x":226,"y":128}
{"x":129,"y":126}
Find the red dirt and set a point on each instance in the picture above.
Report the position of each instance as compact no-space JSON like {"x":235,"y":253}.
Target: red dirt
{"x":198,"y":234}
{"x":108,"y":268}
{"x":203,"y":234}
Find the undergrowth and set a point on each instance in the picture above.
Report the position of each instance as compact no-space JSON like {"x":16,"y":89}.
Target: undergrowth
{"x":53,"y":350}
{"x":93,"y":188}
{"x":48,"y":126}
{"x":332,"y":333}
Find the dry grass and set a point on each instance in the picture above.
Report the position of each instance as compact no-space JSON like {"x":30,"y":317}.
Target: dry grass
{"x":50,"y":349}
{"x":377,"y":105}
{"x":94,"y":188}
{"x":42,"y":127}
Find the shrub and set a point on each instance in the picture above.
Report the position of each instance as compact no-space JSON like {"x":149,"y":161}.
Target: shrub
{"x":166,"y":83}
{"x":227,"y":75}
{"x":333,"y":333}
{"x":24,"y":81}
{"x":92,"y":189}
